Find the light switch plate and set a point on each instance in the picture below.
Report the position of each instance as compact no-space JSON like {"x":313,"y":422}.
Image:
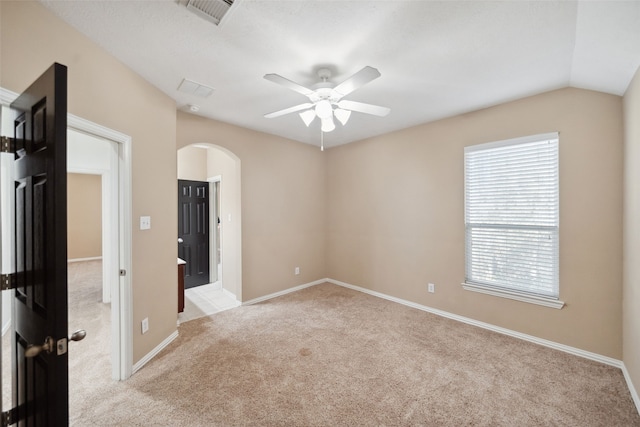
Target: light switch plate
{"x":145,"y":222}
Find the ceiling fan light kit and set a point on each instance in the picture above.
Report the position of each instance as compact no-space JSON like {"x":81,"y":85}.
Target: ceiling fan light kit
{"x":326,"y":100}
{"x":324,"y":110}
{"x":308,"y":116}
{"x":327,"y":125}
{"x":342,"y":115}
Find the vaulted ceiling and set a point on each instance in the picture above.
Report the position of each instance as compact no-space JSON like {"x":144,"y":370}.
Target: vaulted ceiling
{"x":436,"y":59}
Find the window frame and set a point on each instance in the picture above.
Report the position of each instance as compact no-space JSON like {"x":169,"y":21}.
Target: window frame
{"x":505,"y":290}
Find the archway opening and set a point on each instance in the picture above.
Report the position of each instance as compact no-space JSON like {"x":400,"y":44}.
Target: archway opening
{"x":219,"y":168}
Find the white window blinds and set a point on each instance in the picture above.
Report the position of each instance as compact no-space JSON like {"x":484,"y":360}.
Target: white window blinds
{"x":512,"y":215}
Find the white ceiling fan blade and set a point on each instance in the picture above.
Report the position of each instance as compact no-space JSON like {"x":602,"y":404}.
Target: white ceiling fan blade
{"x":276,"y":78}
{"x":361,"y":107}
{"x":359,"y":79}
{"x":289,"y":110}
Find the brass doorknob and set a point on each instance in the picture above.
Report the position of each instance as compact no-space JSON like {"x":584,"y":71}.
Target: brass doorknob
{"x":49,"y":344}
{"x":78,"y":335}
{"x":34,"y":350}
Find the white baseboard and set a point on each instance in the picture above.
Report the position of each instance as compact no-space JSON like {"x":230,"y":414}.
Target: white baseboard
{"x":567,"y":349}
{"x":551,"y":344}
{"x":286,"y":291}
{"x":95,"y":258}
{"x":540,"y":341}
{"x":632,"y":389}
{"x":229,"y":294}
{"x":154,"y":352}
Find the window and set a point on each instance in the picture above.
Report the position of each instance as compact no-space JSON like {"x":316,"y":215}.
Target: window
{"x":511,"y":219}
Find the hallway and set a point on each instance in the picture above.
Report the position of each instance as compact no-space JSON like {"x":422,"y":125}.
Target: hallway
{"x":205,"y":300}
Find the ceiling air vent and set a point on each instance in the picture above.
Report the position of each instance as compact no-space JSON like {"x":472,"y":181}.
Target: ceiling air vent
{"x":211,"y":10}
{"x":193,"y":88}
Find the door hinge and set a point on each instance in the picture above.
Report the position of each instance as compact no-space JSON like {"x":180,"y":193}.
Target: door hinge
{"x":10,"y":145}
{"x":9,"y":417}
{"x":7,"y":145}
{"x":7,"y":281}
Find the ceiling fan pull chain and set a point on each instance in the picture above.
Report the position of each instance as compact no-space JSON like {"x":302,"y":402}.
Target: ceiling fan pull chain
{"x":321,"y":140}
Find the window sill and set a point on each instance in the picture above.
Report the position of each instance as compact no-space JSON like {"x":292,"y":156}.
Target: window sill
{"x":531,"y":299}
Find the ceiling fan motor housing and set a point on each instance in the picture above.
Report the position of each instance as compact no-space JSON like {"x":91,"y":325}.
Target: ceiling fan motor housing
{"x":324,"y":74}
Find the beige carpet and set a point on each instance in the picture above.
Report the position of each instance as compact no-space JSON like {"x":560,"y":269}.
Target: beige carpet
{"x":89,"y":359}
{"x":329,"y":356}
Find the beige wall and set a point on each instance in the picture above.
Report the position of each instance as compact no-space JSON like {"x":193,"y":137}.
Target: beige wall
{"x":385,"y":213}
{"x":395,"y":215}
{"x":631,"y":292}
{"x":84,"y":216}
{"x":192,"y":163}
{"x":103,"y":90}
{"x":283,"y":196}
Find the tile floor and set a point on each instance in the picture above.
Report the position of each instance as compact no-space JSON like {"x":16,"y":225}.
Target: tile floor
{"x":205,"y":300}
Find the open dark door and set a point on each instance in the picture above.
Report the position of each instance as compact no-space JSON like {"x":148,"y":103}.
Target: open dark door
{"x":40,"y":370}
{"x":193,"y":231}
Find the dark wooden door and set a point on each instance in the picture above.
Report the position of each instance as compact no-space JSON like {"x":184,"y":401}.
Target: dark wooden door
{"x":41,"y":389}
{"x":193,"y":231}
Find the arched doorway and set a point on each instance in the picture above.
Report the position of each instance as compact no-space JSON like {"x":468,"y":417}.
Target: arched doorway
{"x":221,"y":169}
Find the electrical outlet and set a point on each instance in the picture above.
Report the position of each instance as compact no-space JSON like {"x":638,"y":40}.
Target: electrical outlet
{"x":431,"y":287}
{"x":145,"y":325}
{"x":296,"y":271}
{"x":145,"y":223}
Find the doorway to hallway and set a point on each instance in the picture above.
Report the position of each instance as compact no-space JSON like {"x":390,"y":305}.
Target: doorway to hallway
{"x":220,"y":169}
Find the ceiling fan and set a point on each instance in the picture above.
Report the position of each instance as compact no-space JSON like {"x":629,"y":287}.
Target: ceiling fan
{"x":325,"y":100}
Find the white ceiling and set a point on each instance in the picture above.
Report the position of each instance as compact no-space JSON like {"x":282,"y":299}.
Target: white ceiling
{"x":437,"y":59}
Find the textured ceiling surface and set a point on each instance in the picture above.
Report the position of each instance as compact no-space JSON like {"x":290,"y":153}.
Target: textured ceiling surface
{"x":437,"y":59}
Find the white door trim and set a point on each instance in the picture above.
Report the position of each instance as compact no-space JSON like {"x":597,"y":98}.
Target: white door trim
{"x":121,"y":295}
{"x":215,"y":235}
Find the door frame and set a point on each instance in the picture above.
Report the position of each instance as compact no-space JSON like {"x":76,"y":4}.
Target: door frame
{"x":121,"y":295}
{"x":215,"y":237}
